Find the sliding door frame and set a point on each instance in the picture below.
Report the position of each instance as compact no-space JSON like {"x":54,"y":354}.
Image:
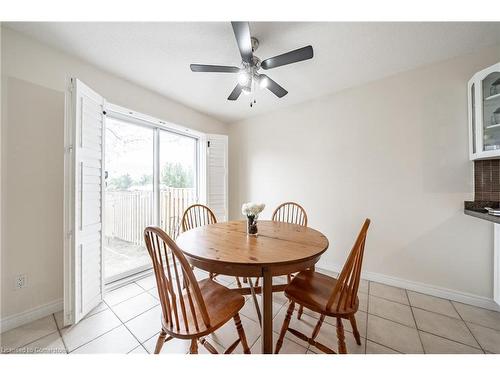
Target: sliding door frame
{"x":136,"y":118}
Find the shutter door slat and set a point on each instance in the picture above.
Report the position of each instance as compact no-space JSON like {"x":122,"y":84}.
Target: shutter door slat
{"x":217,"y":173}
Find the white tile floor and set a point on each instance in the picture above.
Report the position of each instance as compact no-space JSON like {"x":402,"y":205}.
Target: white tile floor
{"x":390,"y":320}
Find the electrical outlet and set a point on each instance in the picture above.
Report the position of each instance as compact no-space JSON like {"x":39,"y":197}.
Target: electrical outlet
{"x":20,"y":281}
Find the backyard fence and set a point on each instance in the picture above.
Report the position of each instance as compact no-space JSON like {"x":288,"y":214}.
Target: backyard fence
{"x":127,"y":213}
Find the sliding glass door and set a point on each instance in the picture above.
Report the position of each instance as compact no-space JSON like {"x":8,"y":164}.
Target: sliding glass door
{"x":151,"y":177}
{"x":178,"y":178}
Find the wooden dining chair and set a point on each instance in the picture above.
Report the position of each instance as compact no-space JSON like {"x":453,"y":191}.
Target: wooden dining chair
{"x":328,"y":297}
{"x":290,"y":212}
{"x":198,"y":215}
{"x":191,"y":310}
{"x":293,"y":213}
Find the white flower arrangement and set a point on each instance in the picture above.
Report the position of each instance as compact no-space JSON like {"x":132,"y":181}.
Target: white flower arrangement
{"x":251,"y":209}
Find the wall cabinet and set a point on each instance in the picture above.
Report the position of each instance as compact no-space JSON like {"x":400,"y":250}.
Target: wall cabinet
{"x":484,"y":113}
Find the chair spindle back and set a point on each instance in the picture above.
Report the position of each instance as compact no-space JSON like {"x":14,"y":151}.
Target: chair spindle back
{"x":290,"y":212}
{"x":346,"y":288}
{"x":178,"y":289}
{"x":197,"y":215}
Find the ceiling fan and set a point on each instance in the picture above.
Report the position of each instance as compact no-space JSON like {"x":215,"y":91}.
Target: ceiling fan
{"x":248,"y":75}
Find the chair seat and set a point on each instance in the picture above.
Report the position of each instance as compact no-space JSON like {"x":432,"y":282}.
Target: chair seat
{"x":221,"y":303}
{"x":313,"y":290}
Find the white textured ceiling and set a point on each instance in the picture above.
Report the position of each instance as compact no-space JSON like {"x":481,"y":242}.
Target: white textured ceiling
{"x":157,"y":55}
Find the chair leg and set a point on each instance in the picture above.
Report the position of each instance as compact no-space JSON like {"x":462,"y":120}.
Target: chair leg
{"x":355,"y":331}
{"x":238,"y":282}
{"x":341,"y":337}
{"x":194,"y":346}
{"x":160,"y":341}
{"x":317,"y":327}
{"x":241,"y":333}
{"x":284,"y":328}
{"x":257,"y":282}
{"x":300,"y":312}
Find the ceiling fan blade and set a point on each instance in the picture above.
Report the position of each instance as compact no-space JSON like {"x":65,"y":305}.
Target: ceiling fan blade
{"x":291,"y":57}
{"x":242,"y":33}
{"x":214,"y":68}
{"x":235,"y":93}
{"x":274,"y":87}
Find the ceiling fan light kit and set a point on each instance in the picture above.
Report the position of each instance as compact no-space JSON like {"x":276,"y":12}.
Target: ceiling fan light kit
{"x":248,"y":75}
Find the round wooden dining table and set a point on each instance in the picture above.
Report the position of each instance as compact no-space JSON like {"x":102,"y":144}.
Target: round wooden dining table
{"x":279,"y":249}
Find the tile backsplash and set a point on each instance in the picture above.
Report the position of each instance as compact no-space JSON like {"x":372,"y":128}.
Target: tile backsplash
{"x":487,"y":180}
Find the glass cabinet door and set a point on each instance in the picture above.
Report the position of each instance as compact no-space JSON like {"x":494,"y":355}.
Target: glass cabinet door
{"x":490,"y":92}
{"x":472,"y":114}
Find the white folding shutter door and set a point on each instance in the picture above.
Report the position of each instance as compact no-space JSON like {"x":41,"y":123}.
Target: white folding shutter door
{"x":88,"y":192}
{"x":217,"y":171}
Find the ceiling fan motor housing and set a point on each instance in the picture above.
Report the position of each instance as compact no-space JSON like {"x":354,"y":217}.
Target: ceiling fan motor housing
{"x":255,"y":43}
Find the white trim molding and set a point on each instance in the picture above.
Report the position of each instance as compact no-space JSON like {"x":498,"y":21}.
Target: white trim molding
{"x":28,"y":316}
{"x":432,"y":290}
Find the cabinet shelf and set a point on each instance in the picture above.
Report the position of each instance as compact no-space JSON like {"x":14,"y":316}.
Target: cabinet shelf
{"x":491,"y":97}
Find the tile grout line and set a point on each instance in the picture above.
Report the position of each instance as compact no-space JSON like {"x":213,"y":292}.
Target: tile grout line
{"x":60,"y":334}
{"x":468,"y":321}
{"x":394,"y":321}
{"x":470,"y":331}
{"x":95,"y":338}
{"x":31,"y":342}
{"x":435,"y":312}
{"x":149,"y":338}
{"x":415,"y":321}
{"x":480,"y":325}
{"x":139,"y":314}
{"x":140,"y":286}
{"x":431,"y":311}
{"x":140,"y":343}
{"x":130,"y":351}
{"x":128,"y":298}
{"x":385,"y":346}
{"x":389,"y":300}
{"x":448,"y":339}
{"x":102,"y":334}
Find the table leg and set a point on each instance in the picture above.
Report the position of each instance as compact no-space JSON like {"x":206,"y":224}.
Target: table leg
{"x":267,"y":312}
{"x":256,"y":303}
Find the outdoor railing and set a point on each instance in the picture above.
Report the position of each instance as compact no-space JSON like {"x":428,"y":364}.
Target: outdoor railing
{"x":127,"y":213}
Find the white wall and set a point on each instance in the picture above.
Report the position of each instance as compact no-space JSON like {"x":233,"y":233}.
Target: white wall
{"x":34,"y":77}
{"x":395,"y":151}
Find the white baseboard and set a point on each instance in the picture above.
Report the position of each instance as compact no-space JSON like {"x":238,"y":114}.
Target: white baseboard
{"x":28,"y":316}
{"x":454,"y":295}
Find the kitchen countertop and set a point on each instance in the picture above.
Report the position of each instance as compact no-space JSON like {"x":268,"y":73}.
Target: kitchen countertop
{"x":476,"y":209}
